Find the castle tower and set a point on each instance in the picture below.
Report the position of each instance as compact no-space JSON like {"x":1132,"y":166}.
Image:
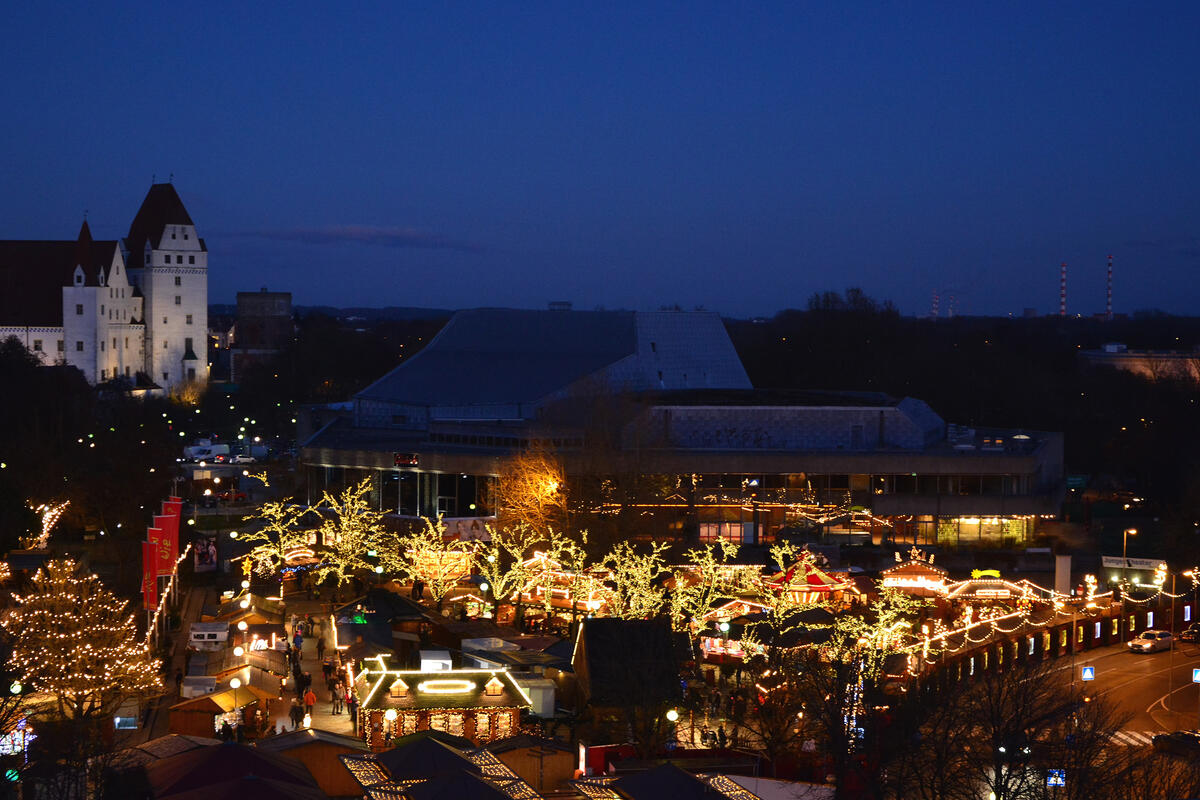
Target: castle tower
{"x":168,"y":263}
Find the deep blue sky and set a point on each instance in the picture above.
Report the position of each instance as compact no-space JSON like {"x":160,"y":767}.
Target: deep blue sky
{"x":738,"y":156}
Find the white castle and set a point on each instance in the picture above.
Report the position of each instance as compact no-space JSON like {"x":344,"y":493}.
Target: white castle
{"x":134,"y":309}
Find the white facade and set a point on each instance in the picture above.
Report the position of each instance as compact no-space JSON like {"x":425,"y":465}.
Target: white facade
{"x":174,"y":282}
{"x":122,"y":313}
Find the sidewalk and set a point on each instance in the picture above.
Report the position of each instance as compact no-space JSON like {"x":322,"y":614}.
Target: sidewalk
{"x":159,"y":722}
{"x":323,"y":717}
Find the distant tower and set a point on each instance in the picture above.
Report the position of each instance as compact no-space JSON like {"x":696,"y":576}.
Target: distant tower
{"x":951,"y":307}
{"x":1108,"y":297}
{"x":933,"y":307}
{"x":1062,"y":291}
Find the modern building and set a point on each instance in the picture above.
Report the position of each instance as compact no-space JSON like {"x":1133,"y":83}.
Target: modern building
{"x":654,"y":413}
{"x":135,"y":308}
{"x":264,"y":327}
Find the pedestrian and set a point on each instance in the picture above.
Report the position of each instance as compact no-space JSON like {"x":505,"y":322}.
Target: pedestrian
{"x":306,"y":679}
{"x":309,"y":628}
{"x":310,"y":700}
{"x":226,"y":732}
{"x":178,"y":680}
{"x":298,"y":639}
{"x":321,"y":647}
{"x":721,"y":738}
{"x":327,"y":669}
{"x":336,"y":699}
{"x":297,"y":715}
{"x":351,"y":708}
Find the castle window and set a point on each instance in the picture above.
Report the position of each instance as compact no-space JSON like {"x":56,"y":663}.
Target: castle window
{"x":164,"y":344}
{"x":147,"y":258}
{"x":178,"y":300}
{"x":167,"y":259}
{"x":101,"y":345}
{"x":102,"y":309}
{"x":191,"y":373}
{"x":166,"y":377}
{"x":114,"y":343}
{"x":78,"y":346}
{"x":164,"y":320}
{"x":189,"y":319}
{"x":103,"y":374}
{"x":37,"y":345}
{"x":79,"y":309}
{"x":187,"y":343}
{"x":126,"y":342}
{"x":185,"y":236}
{"x":178,"y":259}
{"x":178,"y":281}
{"x":127,"y":372}
{"x":172,"y":236}
{"x":60,"y":345}
{"x":191,"y":259}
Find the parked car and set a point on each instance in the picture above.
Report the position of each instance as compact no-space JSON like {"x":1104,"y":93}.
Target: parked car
{"x":1191,"y":633}
{"x":243,"y":459}
{"x":1151,"y":641}
{"x":1180,"y":743}
{"x":233,"y":496}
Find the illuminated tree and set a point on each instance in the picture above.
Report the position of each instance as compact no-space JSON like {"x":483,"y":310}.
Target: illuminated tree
{"x":439,"y":561}
{"x":281,"y":535}
{"x":350,"y":532}
{"x":501,"y":562}
{"x":634,"y":591}
{"x":530,"y":491}
{"x":73,"y":640}
{"x":701,"y":585}
{"x":583,"y":583}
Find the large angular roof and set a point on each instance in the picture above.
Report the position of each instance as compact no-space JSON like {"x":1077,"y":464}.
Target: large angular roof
{"x":33,"y":273}
{"x":162,"y":207}
{"x":498,"y":356}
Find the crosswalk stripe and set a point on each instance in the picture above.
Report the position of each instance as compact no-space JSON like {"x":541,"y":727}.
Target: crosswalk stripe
{"x":1134,"y":738}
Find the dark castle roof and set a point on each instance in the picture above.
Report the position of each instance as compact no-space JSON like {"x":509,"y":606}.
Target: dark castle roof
{"x":32,"y":274}
{"x":162,"y":207}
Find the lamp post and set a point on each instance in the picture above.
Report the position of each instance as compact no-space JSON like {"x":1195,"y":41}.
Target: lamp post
{"x":1124,"y":573}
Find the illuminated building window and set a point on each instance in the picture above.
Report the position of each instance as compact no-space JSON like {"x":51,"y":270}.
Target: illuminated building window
{"x":1046,"y":642}
{"x":503,"y":725}
{"x":1079,"y":635}
{"x":1116,"y":627}
{"x":483,"y":726}
{"x":1032,"y":645}
{"x":1096,"y":633}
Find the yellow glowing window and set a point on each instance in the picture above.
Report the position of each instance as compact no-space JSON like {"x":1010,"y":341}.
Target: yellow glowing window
{"x":494,"y":687}
{"x":1079,"y":635}
{"x":399,"y":688}
{"x":483,"y":726}
{"x":1046,"y":641}
{"x":1062,"y":638}
{"x":1116,"y":627}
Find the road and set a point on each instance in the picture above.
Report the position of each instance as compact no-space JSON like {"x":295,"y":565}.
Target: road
{"x":1156,"y":689}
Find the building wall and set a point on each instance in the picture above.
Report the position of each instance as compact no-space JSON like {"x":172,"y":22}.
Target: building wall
{"x":178,"y":269}
{"x":47,"y":351}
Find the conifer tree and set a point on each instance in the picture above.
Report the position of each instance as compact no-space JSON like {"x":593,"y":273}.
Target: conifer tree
{"x":74,"y":640}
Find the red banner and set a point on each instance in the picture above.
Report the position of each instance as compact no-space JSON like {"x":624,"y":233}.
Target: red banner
{"x":168,"y":538}
{"x":149,"y":576}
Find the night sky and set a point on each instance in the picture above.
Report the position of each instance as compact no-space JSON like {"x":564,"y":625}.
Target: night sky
{"x":736,"y":156}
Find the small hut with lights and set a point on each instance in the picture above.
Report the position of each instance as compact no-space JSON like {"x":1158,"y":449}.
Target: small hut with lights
{"x":478,"y":705}
{"x":916,"y":576}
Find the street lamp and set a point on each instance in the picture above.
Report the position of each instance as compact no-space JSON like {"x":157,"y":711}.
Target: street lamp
{"x":1124,"y":571}
{"x":1124,"y":548}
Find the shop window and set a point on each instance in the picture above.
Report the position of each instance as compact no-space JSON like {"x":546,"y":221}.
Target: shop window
{"x":1149,"y":619}
{"x":1096,"y":631}
{"x":1187,"y":613}
{"x":1116,"y":627}
{"x":1032,"y":645}
{"x":1079,"y":635}
{"x":503,"y":725}
{"x":483,"y":726}
{"x":1046,"y":642}
{"x":1062,"y":638}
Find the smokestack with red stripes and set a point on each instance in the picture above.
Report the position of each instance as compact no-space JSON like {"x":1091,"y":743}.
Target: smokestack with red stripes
{"x":1062,"y":291}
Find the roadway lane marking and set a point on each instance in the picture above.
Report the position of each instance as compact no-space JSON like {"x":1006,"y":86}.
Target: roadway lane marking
{"x":1134,"y":738}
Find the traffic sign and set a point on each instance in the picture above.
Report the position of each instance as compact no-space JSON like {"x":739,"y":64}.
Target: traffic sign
{"x":1089,"y":673}
{"x":1196,"y":676}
